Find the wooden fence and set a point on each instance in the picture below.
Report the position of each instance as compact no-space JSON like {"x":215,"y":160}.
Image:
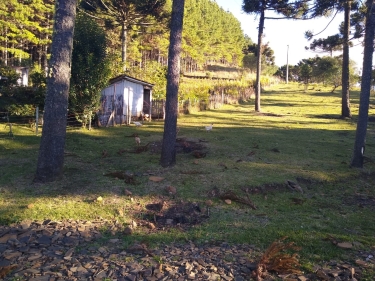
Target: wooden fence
{"x":215,"y":100}
{"x":158,"y":109}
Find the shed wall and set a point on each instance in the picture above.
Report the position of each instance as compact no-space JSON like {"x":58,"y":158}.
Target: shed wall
{"x":120,"y":102}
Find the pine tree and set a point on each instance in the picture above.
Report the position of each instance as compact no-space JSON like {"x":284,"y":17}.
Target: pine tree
{"x":341,"y":40}
{"x":364,"y":99}
{"x":286,"y":8}
{"x":51,"y":152}
{"x":125,"y":14}
{"x":168,"y":153}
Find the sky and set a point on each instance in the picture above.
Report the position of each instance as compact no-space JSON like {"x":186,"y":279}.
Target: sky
{"x":283,"y":33}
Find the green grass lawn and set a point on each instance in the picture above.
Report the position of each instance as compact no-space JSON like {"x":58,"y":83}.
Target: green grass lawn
{"x":298,"y":136}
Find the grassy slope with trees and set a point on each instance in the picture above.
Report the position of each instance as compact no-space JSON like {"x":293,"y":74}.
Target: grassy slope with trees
{"x":331,"y":205}
{"x":298,"y":137}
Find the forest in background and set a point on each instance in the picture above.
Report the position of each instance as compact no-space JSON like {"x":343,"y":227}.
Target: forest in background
{"x":210,"y":35}
{"x":213,"y":46}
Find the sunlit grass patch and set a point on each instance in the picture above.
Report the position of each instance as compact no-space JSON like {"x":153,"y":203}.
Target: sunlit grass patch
{"x":297,"y":136}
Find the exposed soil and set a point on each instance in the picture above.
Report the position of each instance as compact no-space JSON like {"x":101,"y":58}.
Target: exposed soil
{"x":269,"y":114}
{"x":180,"y":214}
{"x":183,"y":145}
{"x":361,"y":201}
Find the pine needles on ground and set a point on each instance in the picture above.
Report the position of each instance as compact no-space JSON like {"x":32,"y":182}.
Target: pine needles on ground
{"x":276,"y":259}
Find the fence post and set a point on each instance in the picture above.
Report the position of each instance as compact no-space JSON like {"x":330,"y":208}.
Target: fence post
{"x":163,"y":109}
{"x":90,"y":115}
{"x":10,"y":127}
{"x":36,"y":119}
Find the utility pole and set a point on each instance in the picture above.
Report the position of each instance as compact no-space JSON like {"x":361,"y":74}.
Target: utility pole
{"x":287,"y":64}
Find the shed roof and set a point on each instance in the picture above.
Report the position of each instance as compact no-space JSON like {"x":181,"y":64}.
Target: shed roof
{"x":131,"y":79}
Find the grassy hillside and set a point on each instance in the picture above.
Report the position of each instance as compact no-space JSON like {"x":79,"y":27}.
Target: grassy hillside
{"x":298,"y":136}
{"x":221,"y":71}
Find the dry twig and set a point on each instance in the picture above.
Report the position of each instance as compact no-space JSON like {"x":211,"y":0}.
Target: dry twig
{"x":140,"y":248}
{"x":142,"y":148}
{"x":233,"y":196}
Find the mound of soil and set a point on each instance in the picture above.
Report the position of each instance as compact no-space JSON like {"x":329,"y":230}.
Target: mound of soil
{"x":183,"y":145}
{"x":182,"y":214}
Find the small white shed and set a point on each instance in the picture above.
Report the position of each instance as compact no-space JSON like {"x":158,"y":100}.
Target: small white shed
{"x":123,"y":100}
{"x":23,"y":73}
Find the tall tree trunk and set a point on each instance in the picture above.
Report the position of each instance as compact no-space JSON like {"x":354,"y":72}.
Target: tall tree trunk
{"x":345,"y":101}
{"x":51,"y":151}
{"x":259,"y":60}
{"x":40,"y":53}
{"x":168,"y":152}
{"x":44,"y":55}
{"x":6,"y":47}
{"x":123,"y":43}
{"x":364,"y":99}
{"x":44,"y":60}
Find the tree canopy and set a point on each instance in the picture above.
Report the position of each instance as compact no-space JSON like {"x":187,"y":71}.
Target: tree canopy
{"x":249,"y":60}
{"x":137,"y":31}
{"x":25,"y":30}
{"x":126,"y":14}
{"x":90,"y":67}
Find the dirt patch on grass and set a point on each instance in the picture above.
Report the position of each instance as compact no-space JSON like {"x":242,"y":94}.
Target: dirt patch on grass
{"x":261,"y":189}
{"x":269,"y":114}
{"x":183,"y":145}
{"x":327,"y":116}
{"x":268,"y":188}
{"x":167,"y":214}
{"x":360,"y":200}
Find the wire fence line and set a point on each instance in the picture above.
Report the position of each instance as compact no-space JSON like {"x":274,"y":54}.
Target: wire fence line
{"x":9,"y":121}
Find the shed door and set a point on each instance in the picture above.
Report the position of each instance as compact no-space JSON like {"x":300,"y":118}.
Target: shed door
{"x":146,"y":100}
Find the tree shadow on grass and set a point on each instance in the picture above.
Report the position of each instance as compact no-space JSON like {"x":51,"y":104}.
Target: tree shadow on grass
{"x":327,"y":116}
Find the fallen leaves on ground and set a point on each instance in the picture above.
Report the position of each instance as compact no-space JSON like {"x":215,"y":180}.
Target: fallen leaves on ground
{"x":345,"y":245}
{"x":199,"y":154}
{"x":104,"y":153}
{"x":251,"y":153}
{"x":156,"y":179}
{"x":294,"y":186}
{"x":4,"y":270}
{"x":209,"y":203}
{"x":140,"y":248}
{"x":171,"y":190}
